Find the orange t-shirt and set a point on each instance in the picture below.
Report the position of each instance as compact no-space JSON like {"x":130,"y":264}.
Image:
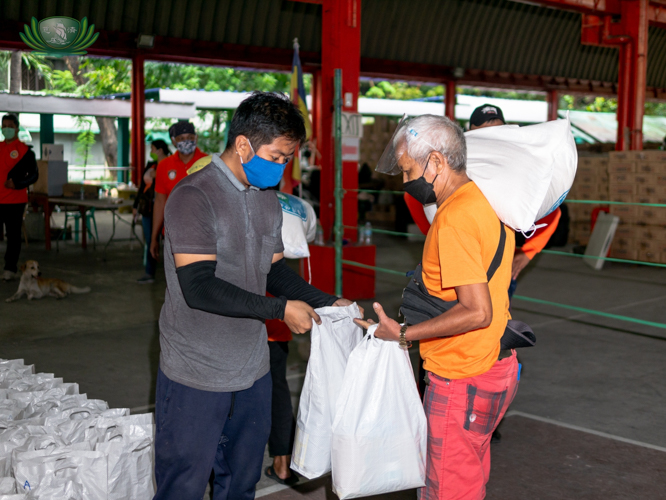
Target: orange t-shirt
{"x":10,"y":154}
{"x":459,"y":248}
{"x":171,"y":170}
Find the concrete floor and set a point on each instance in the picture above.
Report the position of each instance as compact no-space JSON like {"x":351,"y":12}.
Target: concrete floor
{"x":588,"y":417}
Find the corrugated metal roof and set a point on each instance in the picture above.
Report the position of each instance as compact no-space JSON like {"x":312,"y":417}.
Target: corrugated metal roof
{"x":498,"y":35}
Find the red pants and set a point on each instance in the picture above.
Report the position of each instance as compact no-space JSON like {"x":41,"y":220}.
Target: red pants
{"x":462,"y":415}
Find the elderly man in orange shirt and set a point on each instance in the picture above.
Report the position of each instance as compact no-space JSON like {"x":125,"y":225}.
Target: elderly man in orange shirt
{"x":471,"y":380}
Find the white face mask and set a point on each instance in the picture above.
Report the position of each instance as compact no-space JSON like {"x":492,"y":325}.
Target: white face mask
{"x":430,"y":211}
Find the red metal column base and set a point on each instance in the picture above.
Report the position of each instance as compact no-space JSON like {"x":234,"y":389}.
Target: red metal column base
{"x":357,"y":283}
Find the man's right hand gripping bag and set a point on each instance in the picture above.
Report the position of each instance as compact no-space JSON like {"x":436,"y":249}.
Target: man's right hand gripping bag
{"x":332,"y":342}
{"x":380,"y":429}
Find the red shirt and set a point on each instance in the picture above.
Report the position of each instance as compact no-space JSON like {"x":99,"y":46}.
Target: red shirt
{"x":171,"y":170}
{"x":10,"y":154}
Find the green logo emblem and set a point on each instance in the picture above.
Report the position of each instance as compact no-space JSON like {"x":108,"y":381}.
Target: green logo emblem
{"x":59,"y":36}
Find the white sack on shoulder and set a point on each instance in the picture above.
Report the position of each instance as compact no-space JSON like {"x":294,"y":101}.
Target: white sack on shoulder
{"x":524,"y":172}
{"x":380,"y":430}
{"x":332,"y":342}
{"x":299,"y":225}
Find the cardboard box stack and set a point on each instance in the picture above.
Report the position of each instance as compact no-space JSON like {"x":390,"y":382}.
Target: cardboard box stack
{"x":639,"y":177}
{"x":375,"y":138}
{"x":591,"y":183}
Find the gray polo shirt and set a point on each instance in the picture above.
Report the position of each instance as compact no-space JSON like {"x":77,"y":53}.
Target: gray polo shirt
{"x":211,"y":212}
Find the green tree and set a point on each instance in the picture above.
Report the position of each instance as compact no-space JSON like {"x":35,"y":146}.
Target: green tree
{"x":84,"y":141}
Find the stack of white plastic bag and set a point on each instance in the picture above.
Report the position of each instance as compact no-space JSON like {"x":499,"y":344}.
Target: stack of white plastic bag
{"x":57,"y":444}
{"x":360,"y":414}
{"x":524,"y":172}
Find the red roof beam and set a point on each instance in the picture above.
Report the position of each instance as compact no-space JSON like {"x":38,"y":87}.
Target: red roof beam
{"x":656,"y":9}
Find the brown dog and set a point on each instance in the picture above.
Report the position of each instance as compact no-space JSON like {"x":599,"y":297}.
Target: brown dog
{"x":35,"y":287}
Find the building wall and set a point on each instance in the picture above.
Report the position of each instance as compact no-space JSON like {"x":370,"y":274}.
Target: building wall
{"x":69,"y":148}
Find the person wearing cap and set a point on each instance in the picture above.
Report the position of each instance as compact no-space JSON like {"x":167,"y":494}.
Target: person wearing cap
{"x":223,"y":252}
{"x":170,"y":171}
{"x":489,"y":115}
{"x":492,"y":116}
{"x":471,"y":380}
{"x":18,"y":169}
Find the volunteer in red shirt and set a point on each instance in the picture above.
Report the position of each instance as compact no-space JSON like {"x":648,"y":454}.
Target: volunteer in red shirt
{"x":170,"y":171}
{"x":18,"y":169}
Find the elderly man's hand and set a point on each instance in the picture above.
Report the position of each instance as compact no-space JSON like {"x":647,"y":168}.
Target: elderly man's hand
{"x":388,"y":329}
{"x":346,"y":302}
{"x":9,"y":184}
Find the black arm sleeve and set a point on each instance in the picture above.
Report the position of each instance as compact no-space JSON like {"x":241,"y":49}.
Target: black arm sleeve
{"x":284,"y":282}
{"x":203,"y":291}
{"x":25,"y":171}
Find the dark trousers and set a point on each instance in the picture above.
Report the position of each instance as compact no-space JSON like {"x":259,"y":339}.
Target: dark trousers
{"x":11,"y":215}
{"x":283,"y":426}
{"x":151,"y":263}
{"x":512,"y":288}
{"x":199,"y":431}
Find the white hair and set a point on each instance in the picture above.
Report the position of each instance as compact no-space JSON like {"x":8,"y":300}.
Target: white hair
{"x":427,"y":133}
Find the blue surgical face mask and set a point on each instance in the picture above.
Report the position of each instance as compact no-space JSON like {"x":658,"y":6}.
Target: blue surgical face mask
{"x":262,"y":173}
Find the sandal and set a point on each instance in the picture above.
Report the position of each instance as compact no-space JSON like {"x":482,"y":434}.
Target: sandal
{"x":270,"y":473}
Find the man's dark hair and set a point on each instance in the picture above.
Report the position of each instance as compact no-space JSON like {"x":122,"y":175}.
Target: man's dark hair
{"x":265,"y":116}
{"x":160,"y":144}
{"x":12,"y":117}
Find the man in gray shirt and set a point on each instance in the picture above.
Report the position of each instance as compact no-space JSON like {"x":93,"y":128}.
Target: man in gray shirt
{"x":223,"y":252}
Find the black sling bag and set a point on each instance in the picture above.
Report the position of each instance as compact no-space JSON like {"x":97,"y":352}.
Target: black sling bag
{"x":419,"y":306}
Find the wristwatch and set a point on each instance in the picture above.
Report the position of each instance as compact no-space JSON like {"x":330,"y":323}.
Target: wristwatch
{"x":403,"y":341}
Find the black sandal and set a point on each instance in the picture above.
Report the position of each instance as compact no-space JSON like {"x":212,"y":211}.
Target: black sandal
{"x":290,"y":481}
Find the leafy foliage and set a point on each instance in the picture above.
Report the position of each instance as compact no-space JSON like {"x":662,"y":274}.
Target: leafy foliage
{"x":85,"y":140}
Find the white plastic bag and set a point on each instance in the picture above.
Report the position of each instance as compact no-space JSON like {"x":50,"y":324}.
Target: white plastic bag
{"x":524,"y":172}
{"x":81,"y":473}
{"x":380,"y":430}
{"x":128,"y":444}
{"x":299,"y":225}
{"x":7,"y":486}
{"x":332,"y":342}
{"x":130,"y":473}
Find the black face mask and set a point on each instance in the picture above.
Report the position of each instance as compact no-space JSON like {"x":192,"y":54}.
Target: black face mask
{"x":422,"y":190}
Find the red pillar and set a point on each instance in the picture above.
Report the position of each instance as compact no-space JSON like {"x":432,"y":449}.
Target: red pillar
{"x":635,"y":21}
{"x":341,"y":48}
{"x":450,"y":100}
{"x":553,"y":103}
{"x":316,"y":116}
{"x":630,"y":36}
{"x":623,"y":98}
{"x":138,"y":136}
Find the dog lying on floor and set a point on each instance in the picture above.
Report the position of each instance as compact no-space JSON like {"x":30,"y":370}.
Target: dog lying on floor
{"x":35,"y":287}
